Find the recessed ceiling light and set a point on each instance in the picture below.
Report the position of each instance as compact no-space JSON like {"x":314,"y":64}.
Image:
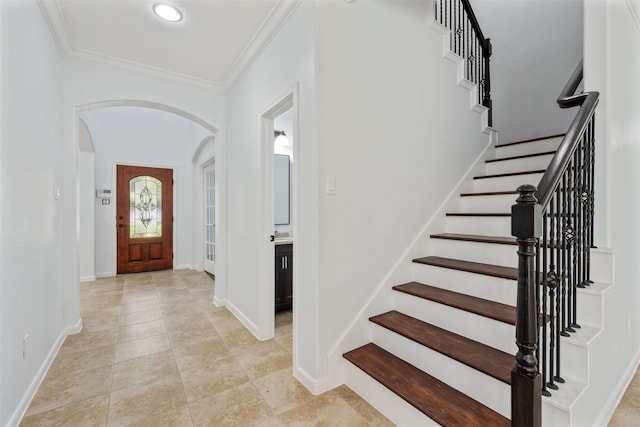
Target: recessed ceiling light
{"x":167,"y":12}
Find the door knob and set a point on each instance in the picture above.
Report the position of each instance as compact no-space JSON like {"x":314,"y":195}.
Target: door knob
{"x":120,"y":225}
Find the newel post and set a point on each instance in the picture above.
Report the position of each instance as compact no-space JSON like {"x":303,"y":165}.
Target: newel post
{"x":526,"y":392}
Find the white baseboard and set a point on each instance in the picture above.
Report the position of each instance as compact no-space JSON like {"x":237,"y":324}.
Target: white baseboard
{"x":609,"y":407}
{"x":19,"y":412}
{"x":88,"y":278}
{"x":103,"y":275}
{"x":185,"y":267}
{"x":314,"y":386}
{"x":252,"y":327}
{"x":219,"y":302}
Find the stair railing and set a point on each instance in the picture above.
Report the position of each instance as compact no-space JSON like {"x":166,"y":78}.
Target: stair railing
{"x":553,"y":226}
{"x":468,"y":42}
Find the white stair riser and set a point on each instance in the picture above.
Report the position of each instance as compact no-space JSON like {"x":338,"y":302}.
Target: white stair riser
{"x":590,"y":309}
{"x":501,"y":203}
{"x":384,"y":400}
{"x":517,"y":165}
{"x":477,"y":285}
{"x":601,"y":266}
{"x":485,"y":389}
{"x":478,"y":328}
{"x":528,"y":148}
{"x":487,"y":253}
{"x":491,"y":226}
{"x":505,"y":183}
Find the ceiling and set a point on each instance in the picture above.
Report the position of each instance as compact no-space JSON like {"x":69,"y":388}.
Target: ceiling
{"x":209,"y":46}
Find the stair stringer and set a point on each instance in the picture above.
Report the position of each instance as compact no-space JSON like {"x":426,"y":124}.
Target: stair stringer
{"x":359,"y":330}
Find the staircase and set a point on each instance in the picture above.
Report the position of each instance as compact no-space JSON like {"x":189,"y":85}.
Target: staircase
{"x":446,"y":349}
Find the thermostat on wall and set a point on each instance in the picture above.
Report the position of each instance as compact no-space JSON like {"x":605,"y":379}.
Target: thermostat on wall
{"x":103,"y":194}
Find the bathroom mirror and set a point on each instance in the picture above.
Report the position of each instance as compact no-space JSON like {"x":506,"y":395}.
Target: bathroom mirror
{"x":281,"y":191}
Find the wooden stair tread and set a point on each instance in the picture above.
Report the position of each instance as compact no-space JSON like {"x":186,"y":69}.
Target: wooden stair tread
{"x":490,"y":193}
{"x":523,"y":156}
{"x":481,"y":357}
{"x":476,"y":238}
{"x":469,"y":266}
{"x":482,"y":307}
{"x":437,"y":400}
{"x":502,"y":175}
{"x":501,"y":214}
{"x":524,"y":141}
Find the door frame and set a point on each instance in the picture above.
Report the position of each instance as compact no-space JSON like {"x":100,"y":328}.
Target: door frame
{"x":201,"y":215}
{"x":114,"y":185}
{"x":266,"y":268}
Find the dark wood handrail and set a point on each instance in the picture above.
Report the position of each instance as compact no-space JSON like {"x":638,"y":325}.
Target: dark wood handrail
{"x":587,"y":102}
{"x":476,"y":27}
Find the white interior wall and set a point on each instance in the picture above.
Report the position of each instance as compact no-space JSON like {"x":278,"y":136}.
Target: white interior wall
{"x":611,"y":34}
{"x":32,"y":291}
{"x":537,"y":44}
{"x":287,"y":60}
{"x":396,"y":132}
{"x":86,"y":204}
{"x":87,"y":208}
{"x":144,"y":137}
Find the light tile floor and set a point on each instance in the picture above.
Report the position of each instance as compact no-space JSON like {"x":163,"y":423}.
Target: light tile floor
{"x":628,"y":411}
{"x":154,"y":351}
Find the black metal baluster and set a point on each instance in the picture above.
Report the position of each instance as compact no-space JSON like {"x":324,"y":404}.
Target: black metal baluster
{"x":574,"y":248}
{"x":552,"y":282}
{"x":592,"y":155}
{"x":566,"y":220}
{"x":545,"y":296}
{"x":557,"y":378}
{"x":458,"y":30}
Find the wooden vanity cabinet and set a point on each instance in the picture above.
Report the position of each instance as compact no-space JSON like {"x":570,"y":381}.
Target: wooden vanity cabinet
{"x":284,"y":277}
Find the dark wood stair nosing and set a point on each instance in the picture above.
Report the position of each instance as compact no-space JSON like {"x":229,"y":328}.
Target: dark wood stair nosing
{"x":481,"y":357}
{"x":479,"y":306}
{"x":508,"y":174}
{"x":480,"y":214}
{"x":524,"y":141}
{"x":499,"y":271}
{"x":523,"y":156}
{"x":476,"y":238}
{"x":434,"y":398}
{"x":491,"y":193}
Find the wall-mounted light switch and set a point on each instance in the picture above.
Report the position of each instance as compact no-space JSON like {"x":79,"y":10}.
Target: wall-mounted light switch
{"x":331,"y":185}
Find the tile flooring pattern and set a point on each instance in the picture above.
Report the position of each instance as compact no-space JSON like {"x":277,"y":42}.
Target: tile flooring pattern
{"x":154,"y":351}
{"x":628,"y":411}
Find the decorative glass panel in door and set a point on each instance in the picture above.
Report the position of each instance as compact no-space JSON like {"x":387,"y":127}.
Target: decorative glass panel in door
{"x":145,"y":198}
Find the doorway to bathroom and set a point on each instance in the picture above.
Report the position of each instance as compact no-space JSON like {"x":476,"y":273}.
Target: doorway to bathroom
{"x":279,"y":249}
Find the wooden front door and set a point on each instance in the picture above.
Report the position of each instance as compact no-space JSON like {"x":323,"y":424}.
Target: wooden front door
{"x":144,"y":218}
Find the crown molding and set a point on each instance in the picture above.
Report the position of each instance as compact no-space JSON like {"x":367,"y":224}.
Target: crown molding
{"x":89,"y":56}
{"x":272,"y":24}
{"x":57,"y":26}
{"x":58,"y":29}
{"x":634,"y":7}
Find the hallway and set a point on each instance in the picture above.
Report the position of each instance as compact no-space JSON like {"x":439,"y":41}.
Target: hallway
{"x":155,"y":351}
